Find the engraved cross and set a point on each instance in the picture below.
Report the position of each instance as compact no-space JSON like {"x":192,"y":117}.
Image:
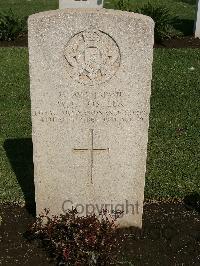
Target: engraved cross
{"x":91,"y":150}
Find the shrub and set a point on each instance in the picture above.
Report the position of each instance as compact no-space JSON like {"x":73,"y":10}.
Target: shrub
{"x":76,"y":240}
{"x":160,"y":14}
{"x":162,"y":18}
{"x":122,"y":5}
{"x":11,"y":26}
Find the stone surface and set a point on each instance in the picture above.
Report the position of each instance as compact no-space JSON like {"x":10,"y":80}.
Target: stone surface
{"x":90,"y":74}
{"x":80,"y":4}
{"x":197,"y":28}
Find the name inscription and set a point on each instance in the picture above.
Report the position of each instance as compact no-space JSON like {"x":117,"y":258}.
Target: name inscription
{"x":92,"y":107}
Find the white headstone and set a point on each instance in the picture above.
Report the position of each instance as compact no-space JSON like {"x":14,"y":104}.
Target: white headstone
{"x":80,"y":4}
{"x":90,"y":74}
{"x":197,"y":28}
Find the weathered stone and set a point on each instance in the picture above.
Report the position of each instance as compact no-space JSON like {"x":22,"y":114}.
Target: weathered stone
{"x":90,"y":74}
{"x":80,"y":4}
{"x":197,"y":28}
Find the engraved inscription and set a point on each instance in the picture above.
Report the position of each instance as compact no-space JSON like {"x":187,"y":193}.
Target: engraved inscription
{"x":103,"y":99}
{"x":117,"y":116}
{"x":93,"y":107}
{"x":92,"y":57}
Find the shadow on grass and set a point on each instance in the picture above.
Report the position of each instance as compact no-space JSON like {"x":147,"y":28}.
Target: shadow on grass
{"x":20,"y":155}
{"x":190,"y":2}
{"x":186,"y":26}
{"x":192,"y":202}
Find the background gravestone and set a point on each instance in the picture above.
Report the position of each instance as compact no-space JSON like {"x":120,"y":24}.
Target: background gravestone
{"x":80,"y":4}
{"x":197,"y":28}
{"x":90,"y":74}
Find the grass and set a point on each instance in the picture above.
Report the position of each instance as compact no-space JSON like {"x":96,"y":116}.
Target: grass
{"x":15,"y":117}
{"x":25,"y":8}
{"x":174,"y":140}
{"x":185,"y":9}
{"x":183,"y":14}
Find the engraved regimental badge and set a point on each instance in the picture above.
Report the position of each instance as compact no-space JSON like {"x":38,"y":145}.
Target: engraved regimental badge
{"x":92,"y":56}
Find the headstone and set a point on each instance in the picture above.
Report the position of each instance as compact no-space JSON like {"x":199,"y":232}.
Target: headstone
{"x":80,"y":4}
{"x":197,"y":28}
{"x":90,"y":74}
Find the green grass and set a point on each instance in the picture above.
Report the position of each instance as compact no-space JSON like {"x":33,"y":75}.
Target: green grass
{"x":14,"y":115}
{"x":174,"y":139}
{"x":25,"y":8}
{"x":185,"y":9}
{"x":182,"y":13}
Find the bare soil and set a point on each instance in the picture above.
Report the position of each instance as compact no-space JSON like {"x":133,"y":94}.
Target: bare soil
{"x":22,"y":41}
{"x":170,"y":236}
{"x":184,"y":42}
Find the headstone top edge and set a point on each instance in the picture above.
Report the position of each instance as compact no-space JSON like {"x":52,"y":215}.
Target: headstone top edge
{"x":105,"y":11}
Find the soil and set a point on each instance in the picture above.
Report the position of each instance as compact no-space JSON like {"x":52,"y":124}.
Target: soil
{"x":184,"y":42}
{"x":22,"y":41}
{"x":170,"y":236}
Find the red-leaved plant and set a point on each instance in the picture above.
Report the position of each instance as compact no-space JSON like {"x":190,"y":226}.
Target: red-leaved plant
{"x":74,"y":240}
